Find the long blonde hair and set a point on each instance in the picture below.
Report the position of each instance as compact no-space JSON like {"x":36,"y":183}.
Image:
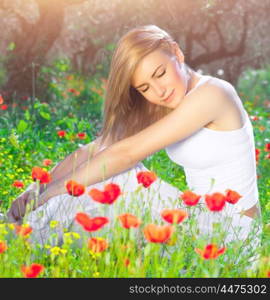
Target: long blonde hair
{"x":125,"y":110}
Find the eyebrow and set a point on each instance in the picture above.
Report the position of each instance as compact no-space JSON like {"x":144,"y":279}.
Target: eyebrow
{"x":136,"y":87}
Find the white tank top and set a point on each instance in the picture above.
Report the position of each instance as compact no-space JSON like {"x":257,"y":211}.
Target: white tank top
{"x":227,"y":157}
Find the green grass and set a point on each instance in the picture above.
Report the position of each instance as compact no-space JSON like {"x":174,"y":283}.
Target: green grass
{"x":29,"y":135}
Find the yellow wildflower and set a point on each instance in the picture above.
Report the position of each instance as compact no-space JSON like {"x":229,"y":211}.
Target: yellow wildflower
{"x":3,"y":229}
{"x":69,"y":236}
{"x":11,"y":226}
{"x":67,"y":239}
{"x":53,"y":223}
{"x":57,"y":250}
{"x":76,"y":235}
{"x":96,"y":274}
{"x":94,"y":255}
{"x":63,"y":251}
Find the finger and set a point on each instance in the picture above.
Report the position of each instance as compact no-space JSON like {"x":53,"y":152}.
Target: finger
{"x":10,"y":217}
{"x":17,"y":209}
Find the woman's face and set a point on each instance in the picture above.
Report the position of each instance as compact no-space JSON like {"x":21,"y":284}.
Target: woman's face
{"x":161,"y":78}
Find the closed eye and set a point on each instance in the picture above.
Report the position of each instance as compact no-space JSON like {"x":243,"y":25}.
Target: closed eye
{"x":157,"y":77}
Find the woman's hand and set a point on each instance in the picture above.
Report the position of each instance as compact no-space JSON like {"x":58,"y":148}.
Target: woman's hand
{"x":18,"y":208}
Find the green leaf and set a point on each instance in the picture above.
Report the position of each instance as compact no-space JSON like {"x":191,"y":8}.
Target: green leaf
{"x":13,"y":139}
{"x":110,"y":47}
{"x":22,"y":125}
{"x":27,"y":115}
{"x":147,"y":250}
{"x":45,"y":115}
{"x":11,"y":46}
{"x":36,"y":104}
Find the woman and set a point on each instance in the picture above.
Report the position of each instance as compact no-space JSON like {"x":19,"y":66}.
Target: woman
{"x":155,"y":101}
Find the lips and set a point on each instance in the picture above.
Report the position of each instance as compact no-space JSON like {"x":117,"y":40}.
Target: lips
{"x":169,"y":97}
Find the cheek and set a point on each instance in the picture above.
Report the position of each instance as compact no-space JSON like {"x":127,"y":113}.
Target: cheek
{"x":179,"y":80}
{"x":174,"y":76}
{"x":150,"y":98}
{"x":178,"y":76}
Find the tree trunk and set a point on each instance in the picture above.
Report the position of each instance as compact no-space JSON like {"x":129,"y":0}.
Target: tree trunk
{"x":32,"y":45}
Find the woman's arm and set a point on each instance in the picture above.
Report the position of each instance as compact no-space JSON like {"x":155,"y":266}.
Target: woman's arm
{"x":105,"y":164}
{"x":72,"y":161}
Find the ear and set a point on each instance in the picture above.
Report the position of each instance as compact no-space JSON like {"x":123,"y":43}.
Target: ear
{"x":178,"y":53}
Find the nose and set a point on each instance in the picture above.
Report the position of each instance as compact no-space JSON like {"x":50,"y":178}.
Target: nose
{"x":159,"y":90}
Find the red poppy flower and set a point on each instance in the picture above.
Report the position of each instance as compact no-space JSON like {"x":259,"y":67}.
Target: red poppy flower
{"x":210,"y":251}
{"x":1,"y":100}
{"x":81,"y":135}
{"x":91,"y":224}
{"x":69,"y":77}
{"x":232,"y":196}
{"x":3,"y":247}
{"x":47,"y":162}
{"x":268,"y":274}
{"x":18,"y":184}
{"x":98,"y":91}
{"x":108,"y":196}
{"x":215,"y":202}
{"x":126,"y":262}
{"x":97,"y":244}
{"x":113,"y":190}
{"x":158,"y":234}
{"x":32,"y":271}
{"x":61,"y":133}
{"x":4,"y":107}
{"x":254,"y":118}
{"x":74,"y":91}
{"x":104,"y":83}
{"x":190,"y":198}
{"x":129,"y":220}
{"x":23,"y":230}
{"x":257,"y":153}
{"x":40,"y":174}
{"x":75,"y":189}
{"x":174,"y":216}
{"x":146,"y":178}
{"x":267,"y":147}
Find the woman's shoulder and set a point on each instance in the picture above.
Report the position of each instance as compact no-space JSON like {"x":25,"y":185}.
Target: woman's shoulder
{"x":230,"y":106}
{"x":217,"y":84}
{"x":216,"y":88}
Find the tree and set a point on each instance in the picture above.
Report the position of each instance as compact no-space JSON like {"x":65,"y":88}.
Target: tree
{"x":32,"y":43}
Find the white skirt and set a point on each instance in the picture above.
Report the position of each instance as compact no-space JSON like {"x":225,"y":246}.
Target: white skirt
{"x":145,"y":201}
